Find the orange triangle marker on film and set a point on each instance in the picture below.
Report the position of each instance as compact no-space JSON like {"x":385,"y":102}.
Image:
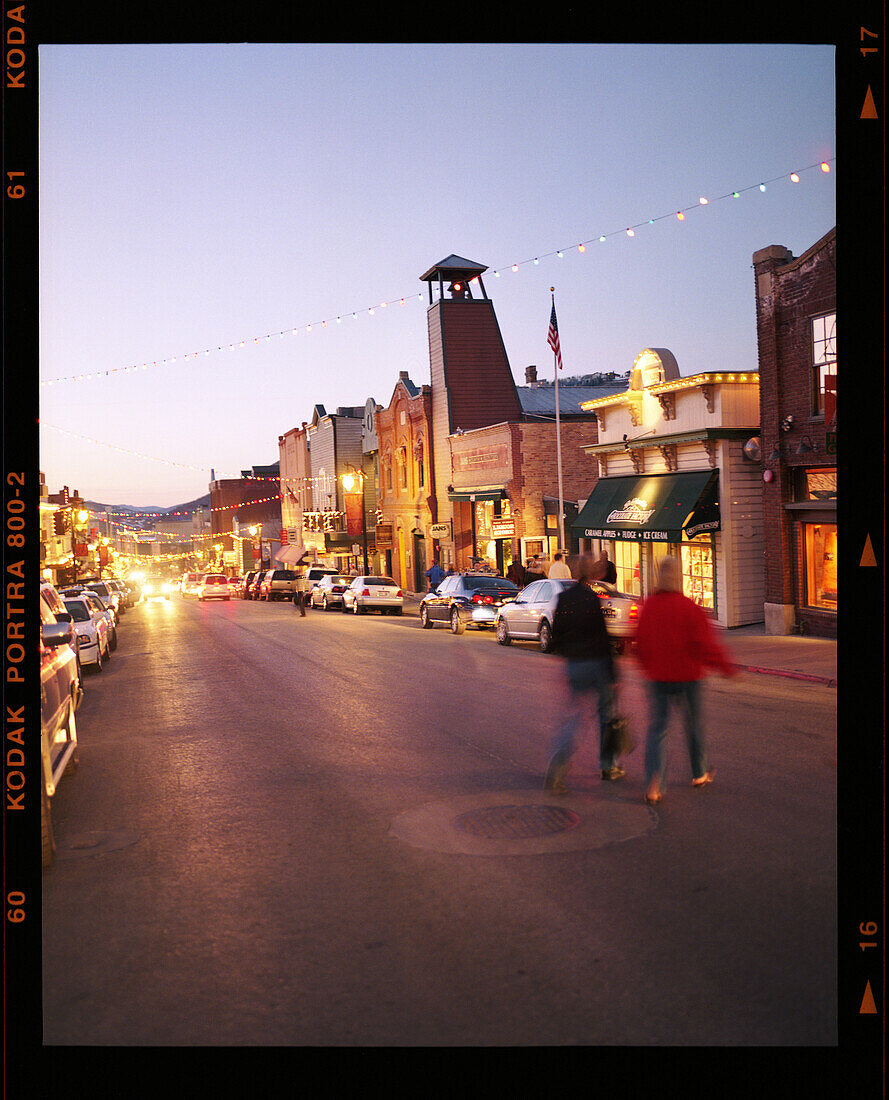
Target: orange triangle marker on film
{"x":868,"y":1005}
{"x":869,"y":110}
{"x":868,"y":557}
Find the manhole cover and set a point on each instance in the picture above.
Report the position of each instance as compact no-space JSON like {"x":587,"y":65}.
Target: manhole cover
{"x":513,"y":822}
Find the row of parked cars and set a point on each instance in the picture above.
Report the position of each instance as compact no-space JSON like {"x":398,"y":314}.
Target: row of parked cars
{"x":78,"y":632}
{"x":494,"y":603}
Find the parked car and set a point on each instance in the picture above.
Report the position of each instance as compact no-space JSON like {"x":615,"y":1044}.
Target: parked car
{"x":126,"y":601}
{"x":311,"y":576}
{"x":532,"y":614}
{"x":214,"y":586}
{"x":328,"y":592}
{"x":234,"y":584}
{"x":252,"y":590}
{"x":92,"y":629}
{"x":373,"y":594}
{"x":190,"y":584}
{"x":108,"y":594}
{"x":135,"y":587}
{"x":277,"y":584}
{"x":621,"y":611}
{"x":97,"y":603}
{"x":466,"y":599}
{"x":60,"y":696}
{"x":243,"y":582}
{"x":157,"y":588}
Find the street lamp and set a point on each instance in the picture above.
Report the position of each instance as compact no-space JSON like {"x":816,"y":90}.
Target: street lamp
{"x":349,"y":481}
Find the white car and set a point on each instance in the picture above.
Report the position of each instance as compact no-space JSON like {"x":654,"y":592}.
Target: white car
{"x":214,"y":586}
{"x":190,"y":584}
{"x":373,"y":594}
{"x":328,"y":592}
{"x":92,"y":629}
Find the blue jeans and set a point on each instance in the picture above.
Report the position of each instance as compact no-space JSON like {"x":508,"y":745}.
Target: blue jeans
{"x":660,"y":693}
{"x":584,"y":679}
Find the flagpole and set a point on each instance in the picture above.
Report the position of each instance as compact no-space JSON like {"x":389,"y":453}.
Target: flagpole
{"x":558,"y":439}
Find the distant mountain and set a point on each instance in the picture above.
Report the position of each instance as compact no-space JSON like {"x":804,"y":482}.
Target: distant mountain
{"x":190,"y":506}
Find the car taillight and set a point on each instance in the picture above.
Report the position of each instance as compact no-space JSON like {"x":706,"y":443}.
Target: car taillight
{"x":479,"y":598}
{"x":634,"y":611}
{"x":398,"y":594}
{"x":365,"y":592}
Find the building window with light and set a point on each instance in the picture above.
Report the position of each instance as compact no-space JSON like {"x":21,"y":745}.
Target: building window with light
{"x":824,"y":363}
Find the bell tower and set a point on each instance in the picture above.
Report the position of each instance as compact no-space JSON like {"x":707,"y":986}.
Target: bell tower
{"x":472,"y":383}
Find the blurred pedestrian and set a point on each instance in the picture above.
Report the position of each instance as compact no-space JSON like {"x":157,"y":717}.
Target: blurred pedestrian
{"x":435,"y":575}
{"x":516,"y":574}
{"x":675,"y":645}
{"x":301,"y":592}
{"x":534,"y":571}
{"x":580,"y":635}
{"x":559,"y":570}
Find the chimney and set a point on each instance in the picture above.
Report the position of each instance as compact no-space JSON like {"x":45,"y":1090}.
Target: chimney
{"x":403,"y":374}
{"x":530,"y":375}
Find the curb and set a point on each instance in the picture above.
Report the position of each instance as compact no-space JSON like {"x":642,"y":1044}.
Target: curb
{"x":826,"y":680}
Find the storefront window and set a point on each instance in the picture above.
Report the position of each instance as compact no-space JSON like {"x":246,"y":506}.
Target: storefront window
{"x":697,"y":572}
{"x":821,"y":565}
{"x":627,"y":559}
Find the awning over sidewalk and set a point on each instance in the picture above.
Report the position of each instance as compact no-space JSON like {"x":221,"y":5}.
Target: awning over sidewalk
{"x":292,"y":554}
{"x":656,"y":507}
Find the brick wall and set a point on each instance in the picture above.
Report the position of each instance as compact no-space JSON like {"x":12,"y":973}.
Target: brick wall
{"x":789,"y":293}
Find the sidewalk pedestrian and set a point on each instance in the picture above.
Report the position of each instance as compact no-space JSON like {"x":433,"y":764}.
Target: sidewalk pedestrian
{"x":675,"y":645}
{"x":580,"y":635}
{"x":559,"y":570}
{"x":610,"y":570}
{"x":534,"y":571}
{"x":435,"y":575}
{"x":516,"y":574}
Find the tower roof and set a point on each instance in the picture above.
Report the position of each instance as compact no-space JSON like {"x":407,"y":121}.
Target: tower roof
{"x":453,"y":267}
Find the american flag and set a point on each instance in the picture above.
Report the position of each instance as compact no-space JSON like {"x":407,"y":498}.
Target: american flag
{"x":553,"y":338}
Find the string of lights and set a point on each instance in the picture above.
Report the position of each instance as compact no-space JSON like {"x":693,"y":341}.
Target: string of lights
{"x":336,"y":319}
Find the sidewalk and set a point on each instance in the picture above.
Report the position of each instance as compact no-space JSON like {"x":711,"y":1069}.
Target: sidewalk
{"x":793,"y":656}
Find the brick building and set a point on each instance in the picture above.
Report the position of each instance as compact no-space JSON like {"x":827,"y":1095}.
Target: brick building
{"x":236,"y":505}
{"x":796,"y":331}
{"x":407,"y":505}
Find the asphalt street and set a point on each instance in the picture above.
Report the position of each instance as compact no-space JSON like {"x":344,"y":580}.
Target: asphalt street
{"x":330,"y":831}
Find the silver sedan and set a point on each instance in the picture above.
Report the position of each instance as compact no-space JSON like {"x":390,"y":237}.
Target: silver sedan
{"x":373,"y":594}
{"x":530,"y":616}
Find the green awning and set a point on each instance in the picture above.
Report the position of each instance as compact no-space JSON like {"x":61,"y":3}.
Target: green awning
{"x":654,"y":507}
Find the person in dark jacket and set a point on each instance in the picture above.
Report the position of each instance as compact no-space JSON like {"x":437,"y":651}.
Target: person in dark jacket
{"x":609,"y":574}
{"x":516,"y":574}
{"x":580,"y":635}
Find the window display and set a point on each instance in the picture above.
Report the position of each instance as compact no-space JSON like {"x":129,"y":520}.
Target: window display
{"x":697,"y":572}
{"x":821,"y":565}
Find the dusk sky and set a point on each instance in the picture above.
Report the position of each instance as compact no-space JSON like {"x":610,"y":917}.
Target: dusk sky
{"x":197,"y":198}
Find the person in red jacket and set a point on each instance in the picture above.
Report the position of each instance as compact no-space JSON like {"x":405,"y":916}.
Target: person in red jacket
{"x":675,"y":645}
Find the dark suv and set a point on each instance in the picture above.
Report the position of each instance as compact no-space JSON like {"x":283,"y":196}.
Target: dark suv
{"x":466,"y":599}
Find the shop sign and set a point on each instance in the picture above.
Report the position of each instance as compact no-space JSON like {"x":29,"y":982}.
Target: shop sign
{"x":632,"y":536}
{"x":697,"y":528}
{"x":440,"y":531}
{"x":384,"y":536}
{"x":502,"y":528}
{"x":633,"y":511}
